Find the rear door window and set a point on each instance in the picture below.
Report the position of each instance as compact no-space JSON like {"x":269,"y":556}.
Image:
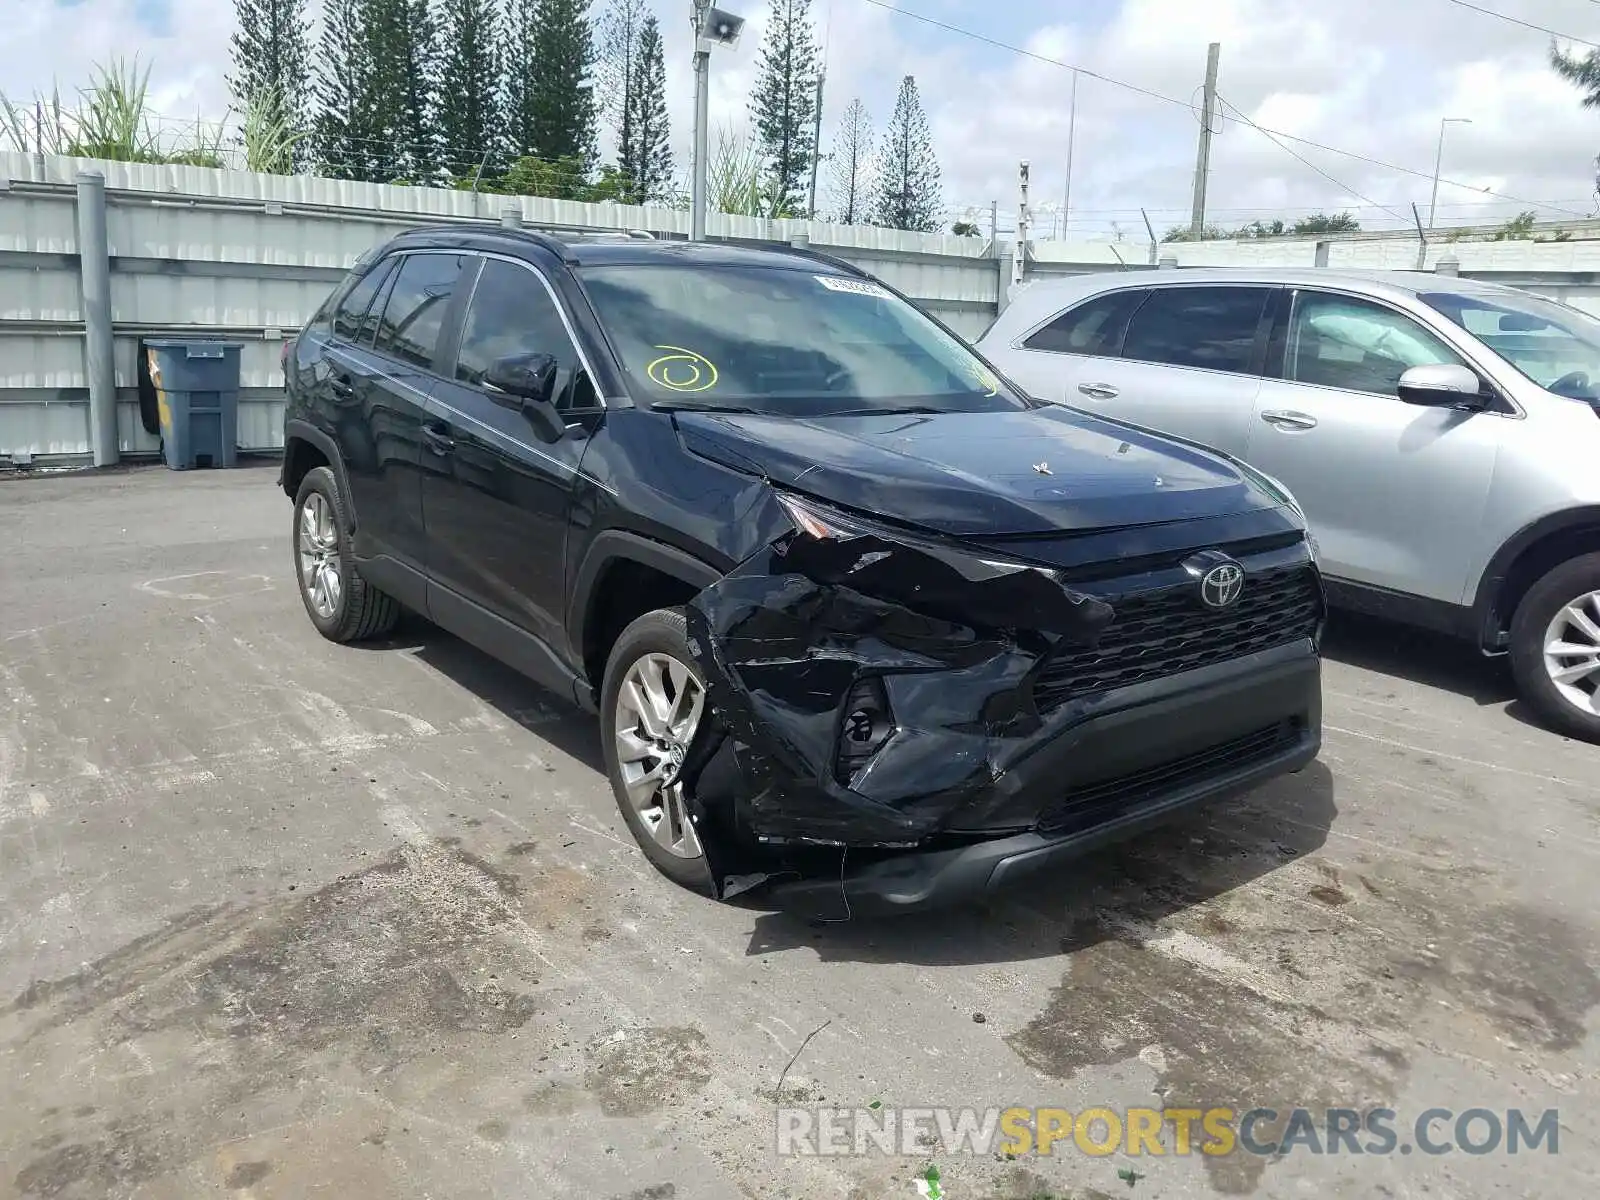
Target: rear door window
{"x":414,"y":312}
{"x":347,"y":317}
{"x":1095,"y":328}
{"x":1211,"y":327}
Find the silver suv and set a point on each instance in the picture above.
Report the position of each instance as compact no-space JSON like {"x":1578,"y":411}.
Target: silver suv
{"x":1442,"y":435}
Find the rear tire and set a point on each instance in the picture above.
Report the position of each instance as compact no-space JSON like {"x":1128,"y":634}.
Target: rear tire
{"x":343,"y":606}
{"x":645,"y":743}
{"x":1555,"y":647}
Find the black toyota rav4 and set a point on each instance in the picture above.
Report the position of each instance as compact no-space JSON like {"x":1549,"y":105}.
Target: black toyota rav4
{"x":863,"y":624}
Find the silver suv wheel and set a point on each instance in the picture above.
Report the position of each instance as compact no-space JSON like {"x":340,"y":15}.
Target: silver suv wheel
{"x":1572,"y":652}
{"x":658,"y":711}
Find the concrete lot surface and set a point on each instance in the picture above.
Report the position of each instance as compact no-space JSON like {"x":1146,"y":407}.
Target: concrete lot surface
{"x":282,"y":918}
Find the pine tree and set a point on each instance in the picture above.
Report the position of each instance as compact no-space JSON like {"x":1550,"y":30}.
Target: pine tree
{"x":471,"y":129}
{"x":618,"y":78}
{"x":907,"y":170}
{"x":784,"y":104}
{"x":850,"y":164}
{"x":651,"y":168}
{"x":271,"y":54}
{"x":552,"y":102}
{"x":403,"y":44}
{"x":343,"y":132}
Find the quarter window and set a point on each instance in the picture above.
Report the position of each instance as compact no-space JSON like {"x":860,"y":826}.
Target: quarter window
{"x":1095,"y":328}
{"x":347,"y":318}
{"x":1212,"y":327}
{"x":1343,"y":342}
{"x":415,"y":310}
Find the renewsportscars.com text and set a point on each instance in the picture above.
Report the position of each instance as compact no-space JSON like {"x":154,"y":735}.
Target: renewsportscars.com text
{"x":1165,"y":1131}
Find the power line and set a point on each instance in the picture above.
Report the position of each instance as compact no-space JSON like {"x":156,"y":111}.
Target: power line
{"x":1154,"y":95}
{"x":1340,"y":184}
{"x":1489,"y":12}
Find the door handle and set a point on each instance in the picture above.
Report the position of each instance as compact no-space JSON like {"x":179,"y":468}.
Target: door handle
{"x":1098,"y":391}
{"x":437,"y":440}
{"x":342,"y":388}
{"x":1283,"y":418}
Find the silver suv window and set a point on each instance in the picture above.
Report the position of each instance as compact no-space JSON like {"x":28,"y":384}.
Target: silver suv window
{"x":1554,"y":345}
{"x":1345,"y":342}
{"x":1095,"y":328}
{"x":1211,"y":327}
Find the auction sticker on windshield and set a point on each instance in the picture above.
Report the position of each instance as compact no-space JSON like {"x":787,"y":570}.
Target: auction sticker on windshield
{"x":856,"y":287}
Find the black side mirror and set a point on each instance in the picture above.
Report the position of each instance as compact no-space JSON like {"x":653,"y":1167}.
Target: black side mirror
{"x":528,"y":383}
{"x":1442,"y":385}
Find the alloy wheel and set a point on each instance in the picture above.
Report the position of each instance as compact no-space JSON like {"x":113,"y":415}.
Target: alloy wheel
{"x":319,"y":556}
{"x":1572,"y":653}
{"x":659,"y":707}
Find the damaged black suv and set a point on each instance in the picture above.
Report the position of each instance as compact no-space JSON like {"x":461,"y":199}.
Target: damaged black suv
{"x":864,"y":625}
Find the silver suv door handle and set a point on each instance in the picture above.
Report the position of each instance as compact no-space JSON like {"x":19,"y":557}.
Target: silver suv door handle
{"x":1286,"y":419}
{"x":1099,"y":391}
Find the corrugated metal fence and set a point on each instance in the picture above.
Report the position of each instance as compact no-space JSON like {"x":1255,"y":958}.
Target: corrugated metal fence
{"x":195,"y":251}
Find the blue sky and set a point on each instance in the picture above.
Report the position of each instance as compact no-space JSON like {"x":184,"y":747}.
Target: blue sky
{"x":1373,"y":77}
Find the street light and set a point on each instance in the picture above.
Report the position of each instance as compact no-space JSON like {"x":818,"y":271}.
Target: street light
{"x":712,"y":28}
{"x":1438,"y":161}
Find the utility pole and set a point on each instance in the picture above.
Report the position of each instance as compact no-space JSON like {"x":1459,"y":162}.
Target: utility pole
{"x":1072,"y":131}
{"x":702,"y":110}
{"x":1202,"y":166}
{"x":1438,"y":163}
{"x":1018,"y":259}
{"x":816,"y":146}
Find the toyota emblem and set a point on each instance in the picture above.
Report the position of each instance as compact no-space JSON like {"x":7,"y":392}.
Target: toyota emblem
{"x":1221,"y":585}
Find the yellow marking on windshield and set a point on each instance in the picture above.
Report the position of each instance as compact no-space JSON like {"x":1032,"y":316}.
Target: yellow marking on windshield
{"x":682,"y":370}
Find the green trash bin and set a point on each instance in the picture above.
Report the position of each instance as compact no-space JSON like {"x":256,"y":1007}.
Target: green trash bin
{"x":197,"y":398}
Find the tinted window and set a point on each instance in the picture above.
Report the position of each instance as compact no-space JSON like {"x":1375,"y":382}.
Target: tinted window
{"x":347,"y":319}
{"x":511,"y":313}
{"x":1095,"y":328}
{"x":1342,"y":342}
{"x":367,"y":329}
{"x":1211,"y":327}
{"x":415,"y":310}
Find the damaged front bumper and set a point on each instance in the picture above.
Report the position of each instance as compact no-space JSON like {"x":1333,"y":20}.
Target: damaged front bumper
{"x":881,"y":740}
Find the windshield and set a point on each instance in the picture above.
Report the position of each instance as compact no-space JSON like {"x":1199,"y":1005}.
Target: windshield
{"x":1555,"y":345}
{"x":783,"y":342}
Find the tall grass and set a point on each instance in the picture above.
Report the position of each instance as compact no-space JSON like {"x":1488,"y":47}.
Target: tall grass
{"x":269,"y":134}
{"x":733,"y":176}
{"x":112,"y":120}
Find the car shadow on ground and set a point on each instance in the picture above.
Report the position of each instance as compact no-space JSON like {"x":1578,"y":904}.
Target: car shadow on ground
{"x":1417,"y":655}
{"x":537,"y":709}
{"x":1132,"y":886}
{"x":1114,"y":892}
{"x":1432,"y":659}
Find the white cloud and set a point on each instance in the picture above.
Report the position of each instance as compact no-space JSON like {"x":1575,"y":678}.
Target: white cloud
{"x":1371,"y":76}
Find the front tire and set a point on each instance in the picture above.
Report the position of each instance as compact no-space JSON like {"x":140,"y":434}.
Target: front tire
{"x":1555,"y":647}
{"x":653,"y":712}
{"x":343,"y":606}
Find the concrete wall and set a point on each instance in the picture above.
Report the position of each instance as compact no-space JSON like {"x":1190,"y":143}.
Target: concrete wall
{"x":247,"y":256}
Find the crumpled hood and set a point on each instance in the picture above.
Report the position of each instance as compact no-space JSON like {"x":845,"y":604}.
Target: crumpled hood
{"x":977,"y":474}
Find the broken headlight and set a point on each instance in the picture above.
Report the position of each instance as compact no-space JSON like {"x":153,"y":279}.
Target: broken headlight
{"x":829,"y":524}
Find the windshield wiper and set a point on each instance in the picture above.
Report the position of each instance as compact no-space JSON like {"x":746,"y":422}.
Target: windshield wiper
{"x":909,"y":410}
{"x":696,"y":406}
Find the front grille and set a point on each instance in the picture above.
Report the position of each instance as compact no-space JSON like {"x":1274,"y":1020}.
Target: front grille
{"x":1093,"y":803}
{"x":1169,"y":631}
